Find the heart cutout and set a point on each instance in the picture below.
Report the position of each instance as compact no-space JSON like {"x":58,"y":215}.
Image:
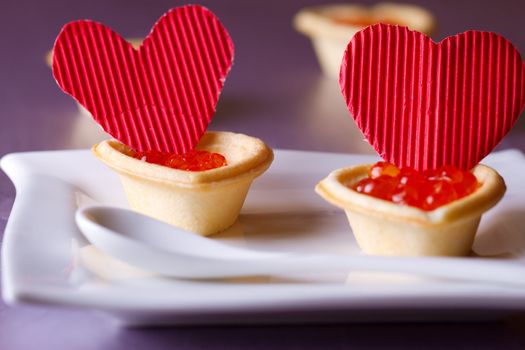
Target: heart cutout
{"x":424,"y":105}
{"x":160,"y":97}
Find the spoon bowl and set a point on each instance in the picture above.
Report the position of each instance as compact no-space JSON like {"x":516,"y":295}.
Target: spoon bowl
{"x":156,"y":246}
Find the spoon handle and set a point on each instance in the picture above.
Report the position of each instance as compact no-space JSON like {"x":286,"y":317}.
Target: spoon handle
{"x":464,"y":269}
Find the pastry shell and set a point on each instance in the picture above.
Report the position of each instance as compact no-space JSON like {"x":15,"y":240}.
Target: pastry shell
{"x":330,"y":29}
{"x":205,"y":202}
{"x":383,"y":228}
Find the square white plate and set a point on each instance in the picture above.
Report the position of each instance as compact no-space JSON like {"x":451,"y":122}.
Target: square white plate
{"x":46,"y":260}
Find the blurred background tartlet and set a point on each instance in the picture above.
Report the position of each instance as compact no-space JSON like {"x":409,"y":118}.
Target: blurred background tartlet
{"x":331,"y":27}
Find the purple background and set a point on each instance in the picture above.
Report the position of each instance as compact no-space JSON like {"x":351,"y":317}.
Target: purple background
{"x":274,"y":91}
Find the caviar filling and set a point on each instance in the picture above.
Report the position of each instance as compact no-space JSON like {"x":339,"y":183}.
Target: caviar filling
{"x":425,"y":190}
{"x":362,"y":21}
{"x":195,"y":160}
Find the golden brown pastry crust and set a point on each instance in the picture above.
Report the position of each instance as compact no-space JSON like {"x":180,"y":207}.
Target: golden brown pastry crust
{"x":204,"y":202}
{"x":245,"y":156}
{"x":384,"y":228}
{"x":334,"y":189}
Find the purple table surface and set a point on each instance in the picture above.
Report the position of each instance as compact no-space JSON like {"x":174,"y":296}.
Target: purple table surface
{"x":275,"y":91}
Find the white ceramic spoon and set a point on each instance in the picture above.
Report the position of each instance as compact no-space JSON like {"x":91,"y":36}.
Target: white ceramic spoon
{"x":161,"y":248}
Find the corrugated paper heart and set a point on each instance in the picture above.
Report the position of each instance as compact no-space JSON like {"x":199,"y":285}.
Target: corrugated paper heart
{"x":422,"y":104}
{"x":160,"y":97}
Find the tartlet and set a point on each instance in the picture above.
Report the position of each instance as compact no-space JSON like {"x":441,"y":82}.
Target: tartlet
{"x":204,"y":202}
{"x":381,"y":227}
{"x":331,"y":27}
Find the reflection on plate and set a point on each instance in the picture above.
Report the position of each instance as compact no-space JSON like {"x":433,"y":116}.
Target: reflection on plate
{"x":46,"y":260}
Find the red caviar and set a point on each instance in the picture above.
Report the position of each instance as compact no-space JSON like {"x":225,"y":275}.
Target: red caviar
{"x":195,"y":160}
{"x":363,"y":21}
{"x":426,"y":190}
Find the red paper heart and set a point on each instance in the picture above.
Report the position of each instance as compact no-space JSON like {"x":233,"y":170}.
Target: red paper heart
{"x":422,"y":104}
{"x":160,"y":97}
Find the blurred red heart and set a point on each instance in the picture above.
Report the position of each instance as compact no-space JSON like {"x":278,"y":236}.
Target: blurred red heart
{"x":422,"y":104}
{"x":160,"y":97}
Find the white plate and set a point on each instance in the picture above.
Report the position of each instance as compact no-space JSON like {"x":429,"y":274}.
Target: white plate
{"x":46,"y":260}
